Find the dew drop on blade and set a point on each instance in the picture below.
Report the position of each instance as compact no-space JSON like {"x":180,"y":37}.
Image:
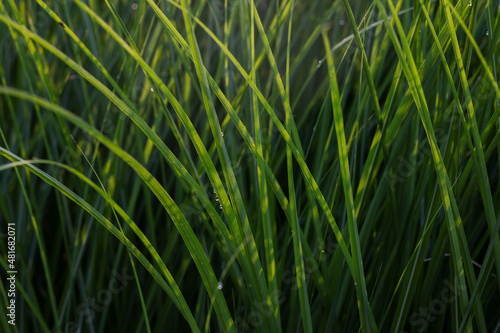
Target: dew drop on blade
{"x":220,"y":286}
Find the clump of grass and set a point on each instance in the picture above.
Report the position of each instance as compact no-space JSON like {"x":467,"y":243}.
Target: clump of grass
{"x":251,"y":165}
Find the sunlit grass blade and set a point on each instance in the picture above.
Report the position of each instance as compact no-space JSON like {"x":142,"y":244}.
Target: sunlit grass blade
{"x":175,"y":294}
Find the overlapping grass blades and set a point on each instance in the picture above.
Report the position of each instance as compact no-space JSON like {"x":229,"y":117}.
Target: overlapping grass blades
{"x":262,"y":165}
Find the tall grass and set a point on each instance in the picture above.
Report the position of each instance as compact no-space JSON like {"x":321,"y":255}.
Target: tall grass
{"x":218,"y":165}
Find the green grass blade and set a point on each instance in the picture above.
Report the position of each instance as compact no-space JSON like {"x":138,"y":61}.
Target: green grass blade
{"x":367,"y":322}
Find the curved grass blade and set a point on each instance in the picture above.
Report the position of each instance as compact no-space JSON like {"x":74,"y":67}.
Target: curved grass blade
{"x":173,"y":293}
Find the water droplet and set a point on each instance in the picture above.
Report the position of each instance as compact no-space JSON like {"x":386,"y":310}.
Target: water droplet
{"x":214,"y":190}
{"x":342,"y":22}
{"x":487,"y":33}
{"x":152,"y":89}
{"x":221,"y":133}
{"x":216,"y":199}
{"x":470,"y":3}
{"x":220,"y":286}
{"x":220,"y":207}
{"x":355,"y":283}
{"x":135,"y":6}
{"x":323,"y":251}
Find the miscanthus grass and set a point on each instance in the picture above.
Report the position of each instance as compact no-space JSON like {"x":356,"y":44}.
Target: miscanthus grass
{"x":251,"y":165}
